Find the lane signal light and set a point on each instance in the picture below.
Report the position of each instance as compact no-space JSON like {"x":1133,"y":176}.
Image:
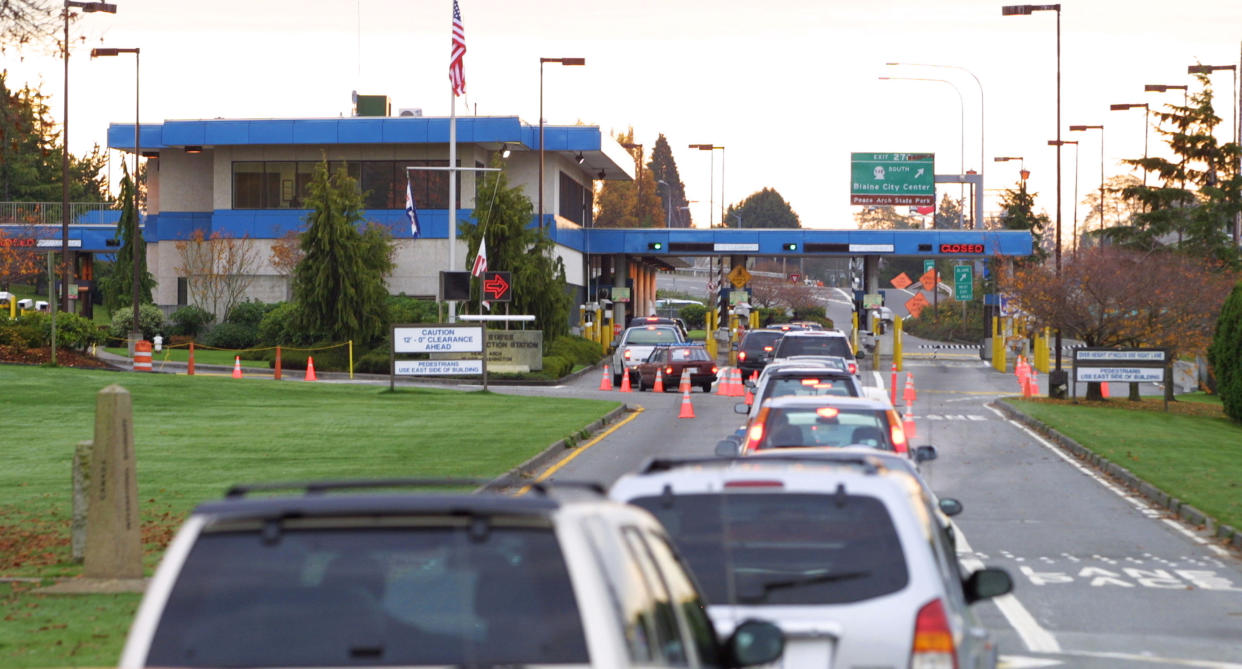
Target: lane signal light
{"x":655,"y":246}
{"x":790,"y":246}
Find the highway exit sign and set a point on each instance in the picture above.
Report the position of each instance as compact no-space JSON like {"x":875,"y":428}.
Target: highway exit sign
{"x":893,"y":179}
{"x":963,"y":283}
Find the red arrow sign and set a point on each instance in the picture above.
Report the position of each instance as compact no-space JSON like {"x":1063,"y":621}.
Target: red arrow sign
{"x":496,"y":286}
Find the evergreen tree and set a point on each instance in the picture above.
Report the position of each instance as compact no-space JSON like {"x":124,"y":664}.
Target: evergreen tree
{"x":339,"y":284}
{"x":514,"y":245}
{"x":1017,"y":213}
{"x":663,"y":167}
{"x":117,"y":285}
{"x":631,"y":204}
{"x":765,"y":209}
{"x":948,"y":214}
{"x":884,"y":217}
{"x":1225,"y":354}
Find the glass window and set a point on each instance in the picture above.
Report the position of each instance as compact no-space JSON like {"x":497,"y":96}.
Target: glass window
{"x":301,"y":182}
{"x":826,"y":426}
{"x":668,"y":632}
{"x":686,"y":595}
{"x":785,"y":548}
{"x":814,"y":346}
{"x":279,"y":178}
{"x":248,"y":185}
{"x":627,"y":590}
{"x":425,"y":594}
{"x":807,"y":386}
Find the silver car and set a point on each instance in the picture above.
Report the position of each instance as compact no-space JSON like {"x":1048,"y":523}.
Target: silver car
{"x":847,"y":556}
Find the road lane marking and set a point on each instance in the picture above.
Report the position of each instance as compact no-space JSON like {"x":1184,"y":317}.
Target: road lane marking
{"x":1036,"y":638}
{"x":1139,"y":504}
{"x":579,"y":451}
{"x":1209,"y":664}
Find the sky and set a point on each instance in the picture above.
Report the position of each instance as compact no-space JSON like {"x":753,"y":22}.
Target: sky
{"x":789,"y":89}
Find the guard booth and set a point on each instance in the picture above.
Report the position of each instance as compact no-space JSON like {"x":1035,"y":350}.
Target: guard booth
{"x":8,"y":305}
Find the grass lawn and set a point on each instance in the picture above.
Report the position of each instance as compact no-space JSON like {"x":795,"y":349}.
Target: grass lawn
{"x":1193,"y":452}
{"x":202,"y":356}
{"x":194,"y":437}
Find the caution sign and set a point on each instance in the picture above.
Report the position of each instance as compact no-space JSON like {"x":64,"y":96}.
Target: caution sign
{"x":929,"y":279}
{"x":901,"y":281}
{"x":916,"y":304}
{"x":739,"y":276}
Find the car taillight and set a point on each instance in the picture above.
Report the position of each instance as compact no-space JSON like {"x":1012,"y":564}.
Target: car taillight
{"x":714,"y":369}
{"x":809,"y":382}
{"x":741,"y":356}
{"x":753,"y":435}
{"x":899,"y":438}
{"x":627,"y":354}
{"x":767,"y":349}
{"x":853,"y":367}
{"x":933,"y":640}
{"x":754,"y":484}
{"x":827,"y":412}
{"x":668,"y":370}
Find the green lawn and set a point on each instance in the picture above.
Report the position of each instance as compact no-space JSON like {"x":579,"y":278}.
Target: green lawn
{"x":1193,"y":452}
{"x":195,"y":436}
{"x":202,"y":356}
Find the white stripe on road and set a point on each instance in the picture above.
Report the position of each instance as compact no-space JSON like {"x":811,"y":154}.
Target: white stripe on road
{"x":1036,"y":638}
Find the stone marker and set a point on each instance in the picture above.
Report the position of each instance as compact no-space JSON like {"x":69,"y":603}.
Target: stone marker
{"x":113,"y":530}
{"x":81,"y":483}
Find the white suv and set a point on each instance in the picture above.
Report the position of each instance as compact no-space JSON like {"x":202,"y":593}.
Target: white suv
{"x":816,"y":342}
{"x":427,"y":579}
{"x":850,"y":558}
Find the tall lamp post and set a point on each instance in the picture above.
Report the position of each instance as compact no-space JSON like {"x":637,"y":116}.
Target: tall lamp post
{"x":1146,"y":127}
{"x":88,"y":7}
{"x":1058,"y":379}
{"x":1074,"y":235}
{"x":1022,"y":171}
{"x":668,"y":203}
{"x":135,"y":332}
{"x":1084,"y":128}
{"x":711,"y":182}
{"x":1237,"y":128}
{"x":961,"y":132}
{"x":562,"y":61}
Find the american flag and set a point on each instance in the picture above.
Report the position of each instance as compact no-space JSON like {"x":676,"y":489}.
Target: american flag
{"x":480,"y":266}
{"x":410,"y":209}
{"x":457,"y":75}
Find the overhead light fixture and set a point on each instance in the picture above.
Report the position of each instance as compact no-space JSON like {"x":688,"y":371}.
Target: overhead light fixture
{"x":193,"y":149}
{"x":505,"y":151}
{"x":580,"y":159}
{"x":150,"y":154}
{"x":602,"y":175}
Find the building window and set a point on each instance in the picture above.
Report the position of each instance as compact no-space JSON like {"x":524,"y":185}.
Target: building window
{"x":576,"y":202}
{"x":286,"y":184}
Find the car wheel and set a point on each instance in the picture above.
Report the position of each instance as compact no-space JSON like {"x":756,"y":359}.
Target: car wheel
{"x":616,"y":380}
{"x":706,"y":386}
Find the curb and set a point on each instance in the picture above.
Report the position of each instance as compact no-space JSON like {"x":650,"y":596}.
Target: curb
{"x":527,"y":471}
{"x":1227,"y":535}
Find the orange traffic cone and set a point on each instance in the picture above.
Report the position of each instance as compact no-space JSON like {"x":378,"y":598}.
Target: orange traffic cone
{"x":310,"y":369}
{"x":625,"y":381}
{"x":749,"y":398}
{"x":722,"y":382}
{"x":909,"y":395}
{"x":605,"y":383}
{"x":237,"y":367}
{"x":684,"y":385}
{"x":687,"y":409}
{"x":1104,"y":389}
{"x":907,"y":426}
{"x":659,"y":382}
{"x":739,"y":388}
{"x":1032,"y":384}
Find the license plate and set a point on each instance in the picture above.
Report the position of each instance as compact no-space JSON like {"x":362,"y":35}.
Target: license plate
{"x":692,"y":370}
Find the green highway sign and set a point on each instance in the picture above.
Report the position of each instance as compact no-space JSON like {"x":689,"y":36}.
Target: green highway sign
{"x":928,"y":265}
{"x":963,"y":283}
{"x":893,"y":179}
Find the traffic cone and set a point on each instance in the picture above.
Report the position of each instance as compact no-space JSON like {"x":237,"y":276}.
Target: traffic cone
{"x":907,"y":425}
{"x":237,"y":367}
{"x":1032,"y":384}
{"x":1104,"y":389}
{"x":749,"y":397}
{"x":625,"y":381}
{"x":659,"y":382}
{"x":606,"y":382}
{"x":735,"y":385}
{"x":687,"y":409}
{"x":909,"y":394}
{"x":684,"y":385}
{"x":310,"y":369}
{"x":722,"y":382}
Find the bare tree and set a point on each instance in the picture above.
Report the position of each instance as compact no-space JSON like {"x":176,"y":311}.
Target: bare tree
{"x":218,"y":270}
{"x":25,"y":21}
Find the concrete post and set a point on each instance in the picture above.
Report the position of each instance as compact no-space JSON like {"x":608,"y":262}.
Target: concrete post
{"x":113,"y":531}
{"x":81,"y":485}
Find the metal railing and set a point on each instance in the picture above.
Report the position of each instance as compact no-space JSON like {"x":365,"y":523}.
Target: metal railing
{"x":50,"y":213}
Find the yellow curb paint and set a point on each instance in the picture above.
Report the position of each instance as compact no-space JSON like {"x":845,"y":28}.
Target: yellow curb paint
{"x":579,"y":451}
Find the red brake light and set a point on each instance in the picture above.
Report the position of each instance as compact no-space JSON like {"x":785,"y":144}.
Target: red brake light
{"x":899,"y":437}
{"x":767,"y":349}
{"x":809,"y":382}
{"x":853,"y":367}
{"x":753,"y":435}
{"x":650,"y":327}
{"x":933,"y":639}
{"x":668,"y":370}
{"x":754,"y":484}
{"x":827,"y":412}
{"x":741,"y":355}
{"x":627,"y":354}
{"x":714,"y":370}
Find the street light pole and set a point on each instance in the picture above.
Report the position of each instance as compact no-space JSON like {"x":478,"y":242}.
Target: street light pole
{"x":1074,"y":235}
{"x":668,"y":203}
{"x":1146,"y":128}
{"x":1084,"y":128}
{"x":87,"y":7}
{"x":1058,"y":379}
{"x":562,"y":61}
{"x":711,"y":181}
{"x":135,"y":332}
{"x":961,"y":168}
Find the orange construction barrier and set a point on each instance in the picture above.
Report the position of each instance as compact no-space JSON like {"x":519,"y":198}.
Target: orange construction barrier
{"x":237,"y":373}
{"x":189,"y":370}
{"x":142,"y":356}
{"x":625,"y":381}
{"x":310,"y":369}
{"x":606,"y":382}
{"x":276,"y":370}
{"x":687,"y":409}
{"x":659,"y":382}
{"x":1104,"y":389}
{"x":1032,"y":384}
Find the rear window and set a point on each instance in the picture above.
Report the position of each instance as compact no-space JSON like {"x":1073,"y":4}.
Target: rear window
{"x":652,"y":335}
{"x":808,"y":386}
{"x":755,"y":341}
{"x":687,"y":354}
{"x":826,"y":426}
{"x":384,"y":596}
{"x":785,"y":548}
{"x":814,"y":346}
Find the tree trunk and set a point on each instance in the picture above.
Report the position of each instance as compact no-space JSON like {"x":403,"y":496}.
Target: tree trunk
{"x":1134,"y":392}
{"x":1094,"y":393}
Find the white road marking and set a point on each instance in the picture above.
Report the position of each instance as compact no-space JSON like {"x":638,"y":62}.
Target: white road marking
{"x":1138,"y":503}
{"x":1020,"y":662}
{"x":1209,"y":664}
{"x":1036,"y":638}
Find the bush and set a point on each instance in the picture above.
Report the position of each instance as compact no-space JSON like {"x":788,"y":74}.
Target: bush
{"x":335,"y":359}
{"x":21,"y":333}
{"x":403,"y":309}
{"x":150,"y":321}
{"x":190,"y":321}
{"x":695,"y":316}
{"x":1225,"y":354}
{"x":249,"y":314}
{"x":375,"y":361}
{"x":277,"y":327}
{"x":557,"y":366}
{"x":578,"y":350}
{"x":231,"y":335}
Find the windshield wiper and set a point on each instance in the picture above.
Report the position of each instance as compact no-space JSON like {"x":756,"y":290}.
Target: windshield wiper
{"x":763,"y":588}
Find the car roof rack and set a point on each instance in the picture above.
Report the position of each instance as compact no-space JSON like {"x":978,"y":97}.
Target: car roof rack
{"x":320,"y":487}
{"x":869,"y":465}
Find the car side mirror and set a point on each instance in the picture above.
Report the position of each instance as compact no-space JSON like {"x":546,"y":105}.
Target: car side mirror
{"x":755,"y":642}
{"x":741,"y":407}
{"x":615,"y":342}
{"x":987,"y":583}
{"x":925,"y":453}
{"x":950,"y":507}
{"x":727,"y":448}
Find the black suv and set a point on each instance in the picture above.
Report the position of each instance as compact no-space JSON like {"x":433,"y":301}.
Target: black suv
{"x":338,"y":577}
{"x":755,"y":350}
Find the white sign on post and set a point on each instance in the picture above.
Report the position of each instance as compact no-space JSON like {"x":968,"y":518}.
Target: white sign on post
{"x":438,"y":367}
{"x":438,"y":339}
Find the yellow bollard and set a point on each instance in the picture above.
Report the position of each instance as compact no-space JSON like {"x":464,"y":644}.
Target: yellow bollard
{"x":897,"y":350}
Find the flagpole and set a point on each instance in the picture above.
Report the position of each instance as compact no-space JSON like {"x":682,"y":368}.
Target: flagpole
{"x":452,"y":203}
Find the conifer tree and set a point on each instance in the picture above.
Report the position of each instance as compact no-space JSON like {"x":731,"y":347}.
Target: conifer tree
{"x":117,"y":285}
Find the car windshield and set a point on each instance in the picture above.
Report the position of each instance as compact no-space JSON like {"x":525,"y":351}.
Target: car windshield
{"x":785,"y":548}
{"x":808,"y":386}
{"x":652,"y":335}
{"x":814,"y":346}
{"x":417,"y":595}
{"x":826,"y":426}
